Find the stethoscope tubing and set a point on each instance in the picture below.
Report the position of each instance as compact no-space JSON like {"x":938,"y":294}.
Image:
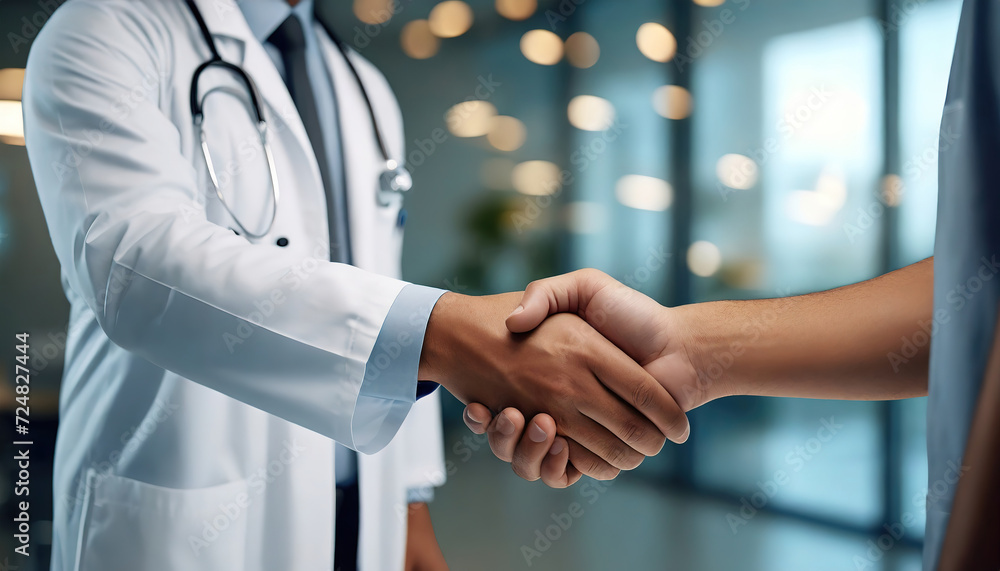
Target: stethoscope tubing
{"x":395,"y":178}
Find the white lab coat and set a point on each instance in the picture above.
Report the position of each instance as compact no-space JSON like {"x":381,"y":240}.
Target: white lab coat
{"x":206,"y":375}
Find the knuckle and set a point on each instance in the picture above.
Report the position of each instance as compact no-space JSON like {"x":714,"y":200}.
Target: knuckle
{"x":627,"y":458}
{"x":563,"y":388}
{"x":595,"y":468}
{"x":642,"y":396}
{"x":532,"y":286}
{"x":623,"y":457}
{"x":632,"y":432}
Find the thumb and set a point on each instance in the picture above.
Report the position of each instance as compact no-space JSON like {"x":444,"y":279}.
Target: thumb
{"x":561,"y":294}
{"x":534,"y":308}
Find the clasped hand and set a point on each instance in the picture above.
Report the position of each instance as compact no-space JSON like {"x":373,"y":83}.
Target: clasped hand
{"x":653,"y":338}
{"x":610,"y":410}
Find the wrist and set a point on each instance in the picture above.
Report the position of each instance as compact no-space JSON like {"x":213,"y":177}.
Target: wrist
{"x":464,"y":335}
{"x":433,"y":353}
{"x":706,"y":335}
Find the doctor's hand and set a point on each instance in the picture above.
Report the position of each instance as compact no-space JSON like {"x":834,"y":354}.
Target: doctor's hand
{"x":612,"y":412}
{"x":422,"y":550}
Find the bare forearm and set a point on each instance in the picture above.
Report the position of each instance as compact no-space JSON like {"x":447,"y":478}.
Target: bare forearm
{"x":867,"y":341}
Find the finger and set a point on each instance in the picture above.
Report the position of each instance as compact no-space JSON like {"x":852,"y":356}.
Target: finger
{"x":619,"y":373}
{"x":567,"y":293}
{"x":477,"y":417}
{"x":504,"y":433}
{"x":601,"y":442}
{"x":589,"y":463}
{"x":534,"y":447}
{"x":623,"y":423}
{"x":557,"y":472}
{"x":615,"y":412}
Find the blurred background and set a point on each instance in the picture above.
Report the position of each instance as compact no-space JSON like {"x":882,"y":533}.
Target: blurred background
{"x":694,"y":150}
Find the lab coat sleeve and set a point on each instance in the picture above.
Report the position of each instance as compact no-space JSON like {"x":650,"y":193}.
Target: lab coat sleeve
{"x":287,"y":334}
{"x":395,"y":357}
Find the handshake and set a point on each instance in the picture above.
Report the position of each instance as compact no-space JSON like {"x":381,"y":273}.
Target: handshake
{"x":608,"y":375}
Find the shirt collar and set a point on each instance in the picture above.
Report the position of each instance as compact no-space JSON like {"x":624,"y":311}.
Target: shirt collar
{"x":264,"y":16}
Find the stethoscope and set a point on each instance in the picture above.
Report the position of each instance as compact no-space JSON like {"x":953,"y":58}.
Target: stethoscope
{"x":394,"y":179}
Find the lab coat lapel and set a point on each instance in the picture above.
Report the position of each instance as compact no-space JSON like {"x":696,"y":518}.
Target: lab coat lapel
{"x":362,"y":160}
{"x":226,"y":22}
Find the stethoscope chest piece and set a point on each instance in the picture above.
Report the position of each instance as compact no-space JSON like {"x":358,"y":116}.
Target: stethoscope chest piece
{"x":394,"y":180}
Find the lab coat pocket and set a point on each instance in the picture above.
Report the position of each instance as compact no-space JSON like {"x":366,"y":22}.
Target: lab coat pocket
{"x":130,"y":525}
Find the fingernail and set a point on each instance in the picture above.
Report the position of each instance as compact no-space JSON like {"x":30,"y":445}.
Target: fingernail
{"x":517,"y":310}
{"x":536,"y":434}
{"x":505,"y":426}
{"x":468,"y":418}
{"x":557,"y":447}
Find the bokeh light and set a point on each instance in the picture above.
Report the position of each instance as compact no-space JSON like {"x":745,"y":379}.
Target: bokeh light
{"x":450,"y":19}
{"x":582,"y":50}
{"x":516,"y":10}
{"x":11,"y":122}
{"x":590,"y":113}
{"x":542,"y":47}
{"x":471,"y":118}
{"x":818,"y":207}
{"x":892,"y":189}
{"x":507,"y":133}
{"x":644,"y":192}
{"x":736,"y":171}
{"x":672,"y":102}
{"x":537,"y":178}
{"x":656,"y":42}
{"x":704,"y":258}
{"x":418,"y":41}
{"x":373,"y":11}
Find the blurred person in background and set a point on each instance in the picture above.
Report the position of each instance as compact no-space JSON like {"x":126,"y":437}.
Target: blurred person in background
{"x":858,"y":342}
{"x":220,"y":188}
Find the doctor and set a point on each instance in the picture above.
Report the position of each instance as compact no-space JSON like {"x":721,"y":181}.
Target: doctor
{"x":229,"y":234}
